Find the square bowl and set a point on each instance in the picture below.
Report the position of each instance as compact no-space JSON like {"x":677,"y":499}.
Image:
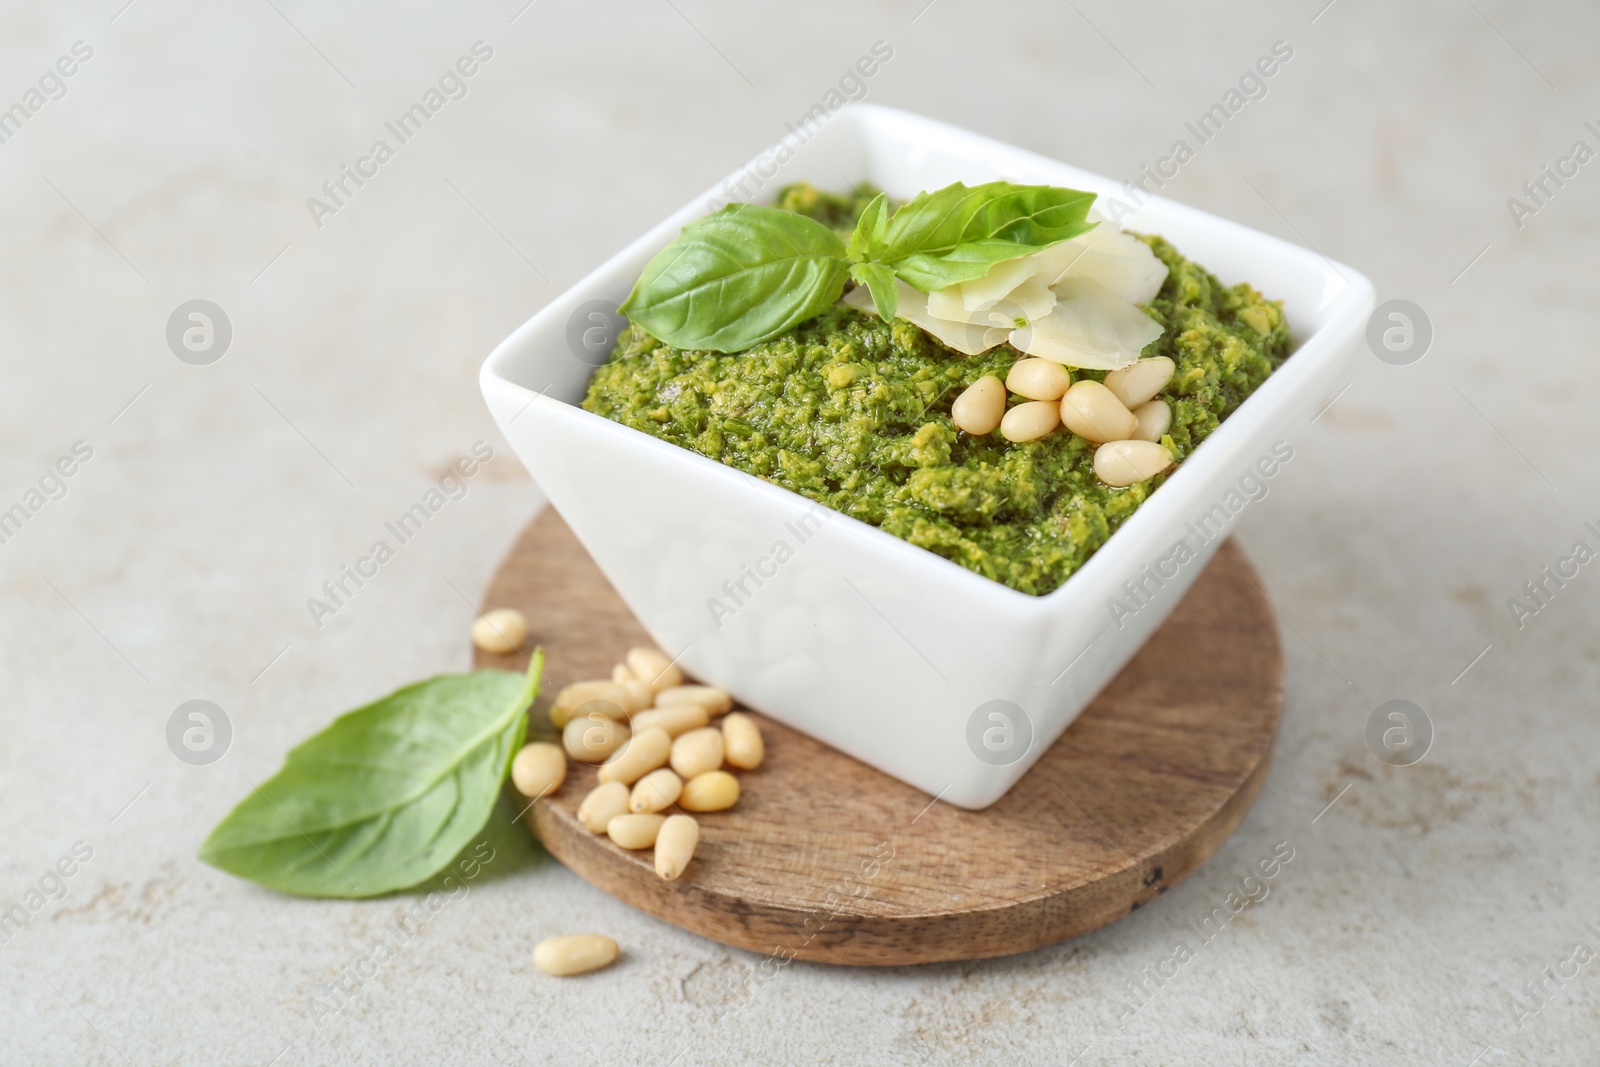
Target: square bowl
{"x":912,"y":664}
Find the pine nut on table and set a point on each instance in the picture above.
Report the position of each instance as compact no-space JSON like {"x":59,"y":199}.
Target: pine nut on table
{"x":574,"y":954}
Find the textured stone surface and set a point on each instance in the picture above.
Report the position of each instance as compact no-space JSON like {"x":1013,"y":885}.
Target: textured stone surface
{"x":177,"y":565}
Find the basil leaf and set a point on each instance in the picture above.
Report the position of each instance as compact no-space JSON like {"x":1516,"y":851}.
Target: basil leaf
{"x":879,"y":281}
{"x":739,"y":277}
{"x":386,"y":795}
{"x":965,"y":263}
{"x":872,"y":229}
{"x":957,"y":233}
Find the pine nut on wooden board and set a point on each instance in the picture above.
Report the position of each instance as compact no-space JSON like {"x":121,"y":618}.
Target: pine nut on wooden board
{"x":649,"y":741}
{"x":868,"y":864}
{"x":500,"y":631}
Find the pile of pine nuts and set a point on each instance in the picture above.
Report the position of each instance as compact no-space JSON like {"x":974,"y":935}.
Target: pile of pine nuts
{"x":1121,"y":415}
{"x":651,"y":734}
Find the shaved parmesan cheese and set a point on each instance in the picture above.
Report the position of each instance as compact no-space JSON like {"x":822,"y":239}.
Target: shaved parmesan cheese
{"x":1090,"y":327}
{"x":947,"y":304}
{"x":1028,"y":301}
{"x":1001,"y":279}
{"x":1117,"y":260}
{"x":970,"y":339}
{"x":1034,"y":298}
{"x":1054,"y":262}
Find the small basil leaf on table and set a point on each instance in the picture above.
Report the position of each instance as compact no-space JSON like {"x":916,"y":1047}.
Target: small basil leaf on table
{"x":956,"y":234}
{"x":737,"y":277}
{"x":386,"y":795}
{"x":879,"y":281}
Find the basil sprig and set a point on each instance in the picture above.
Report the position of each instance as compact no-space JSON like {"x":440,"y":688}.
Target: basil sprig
{"x":956,"y":234}
{"x":746,"y":274}
{"x":387,"y":795}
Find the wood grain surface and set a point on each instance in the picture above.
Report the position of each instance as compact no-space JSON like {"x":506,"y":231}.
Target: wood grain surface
{"x":826,"y":859}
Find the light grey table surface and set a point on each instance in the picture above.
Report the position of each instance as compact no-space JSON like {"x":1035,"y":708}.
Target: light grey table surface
{"x":1417,"y":908}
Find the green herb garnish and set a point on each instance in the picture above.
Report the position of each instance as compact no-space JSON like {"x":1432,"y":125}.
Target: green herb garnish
{"x":387,"y":795}
{"x":746,"y":274}
{"x":738,"y":277}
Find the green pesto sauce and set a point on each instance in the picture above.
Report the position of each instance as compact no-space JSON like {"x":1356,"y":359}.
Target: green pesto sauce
{"x":837,"y":211}
{"x":855,"y":413}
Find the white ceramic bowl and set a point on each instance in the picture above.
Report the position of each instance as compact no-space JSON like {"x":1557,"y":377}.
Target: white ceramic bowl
{"x":906,"y":661}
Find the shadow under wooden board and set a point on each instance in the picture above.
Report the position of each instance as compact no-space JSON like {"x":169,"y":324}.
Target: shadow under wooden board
{"x":824,"y":858}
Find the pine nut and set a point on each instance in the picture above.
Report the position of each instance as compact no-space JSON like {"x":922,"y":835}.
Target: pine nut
{"x":604,"y":803}
{"x":539,"y":769}
{"x":716,"y":701}
{"x":1094,"y":413}
{"x":644,"y":752}
{"x":712,"y":791}
{"x":639,"y":693}
{"x":1138,"y":382}
{"x":657,"y":790}
{"x":575,"y":954}
{"x":1030,"y":421}
{"x":635,"y":831}
{"x":697,"y":752}
{"x":1121,"y":463}
{"x":1038,"y":379}
{"x":674,"y":718}
{"x":980,"y":406}
{"x":500,"y":631}
{"x":560,"y":716}
{"x":591,"y":738}
{"x":742,"y":746}
{"x":653,"y":666}
{"x":604,"y":698}
{"x":675,"y":845}
{"x":1152,"y":419}
{"x":582,"y":692}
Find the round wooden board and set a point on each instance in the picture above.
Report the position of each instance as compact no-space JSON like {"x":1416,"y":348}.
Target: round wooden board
{"x":826,"y":859}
